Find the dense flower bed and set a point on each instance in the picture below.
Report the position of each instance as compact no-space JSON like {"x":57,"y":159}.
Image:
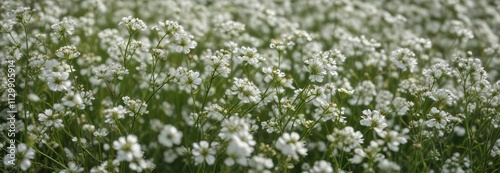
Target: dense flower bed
{"x":250,"y":86}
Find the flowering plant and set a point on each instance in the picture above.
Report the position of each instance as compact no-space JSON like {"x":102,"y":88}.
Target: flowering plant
{"x":261,"y":86}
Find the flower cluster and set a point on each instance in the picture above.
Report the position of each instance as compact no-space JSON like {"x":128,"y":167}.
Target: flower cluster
{"x":182,"y":42}
{"x":133,"y":24}
{"x":259,"y":86}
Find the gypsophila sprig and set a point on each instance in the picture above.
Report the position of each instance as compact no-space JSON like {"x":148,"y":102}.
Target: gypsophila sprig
{"x":168,"y":28}
{"x":290,"y":145}
{"x":169,"y":136}
{"x":22,"y":14}
{"x":404,"y":59}
{"x":133,"y":24}
{"x":262,"y":86}
{"x":22,"y":158}
{"x":245,"y":90}
{"x":67,"y":52}
{"x":65,"y":27}
{"x":374,"y":120}
{"x":203,"y":152}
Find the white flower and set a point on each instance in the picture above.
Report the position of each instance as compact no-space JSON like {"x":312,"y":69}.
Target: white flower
{"x":363,"y":93}
{"x":238,"y":151}
{"x":215,"y":112}
{"x":279,"y":81}
{"x":456,"y":164}
{"x":169,"y":136}
{"x":218,"y":64}
{"x":67,"y":52}
{"x":316,"y":70}
{"x":133,"y":24}
{"x":321,"y":167}
{"x":418,"y":44}
{"x":22,"y":157}
{"x":101,"y":132}
{"x":404,"y":59}
{"x":203,"y":152}
{"x":135,"y":106}
{"x":109,"y":72}
{"x":183,"y":43}
{"x":290,"y":145}
{"x":128,"y":149}
{"x":64,"y":27}
{"x":139,"y":165}
{"x":438,"y":119}
{"x":21,"y":14}
{"x":59,"y":81}
{"x":359,"y":155}
{"x":248,"y":55}
{"x":231,"y":29}
{"x":401,"y":106}
{"x":389,"y":166}
{"x":6,"y":25}
{"x":190,"y":80}
{"x":168,"y":28}
{"x":233,"y":126}
{"x":260,"y":164}
{"x":495,"y":151}
{"x":106,"y":167}
{"x":169,"y":156}
{"x":374,"y":119}
{"x":364,"y":43}
{"x":72,"y":99}
{"x":50,"y":118}
{"x":115,"y":113}
{"x":72,"y":168}
{"x":279,"y":45}
{"x":245,"y":90}
{"x":323,"y":63}
{"x":394,"y":138}
{"x":298,"y":36}
{"x":345,"y":139}
{"x":442,"y":95}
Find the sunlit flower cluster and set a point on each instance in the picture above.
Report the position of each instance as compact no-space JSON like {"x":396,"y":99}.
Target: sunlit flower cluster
{"x":249,"y":86}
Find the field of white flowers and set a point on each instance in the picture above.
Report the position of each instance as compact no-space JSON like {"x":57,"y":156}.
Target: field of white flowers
{"x":250,"y":86}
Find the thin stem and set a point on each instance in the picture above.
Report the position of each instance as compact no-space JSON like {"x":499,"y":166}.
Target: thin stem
{"x":212,"y":77}
{"x":126,"y":50}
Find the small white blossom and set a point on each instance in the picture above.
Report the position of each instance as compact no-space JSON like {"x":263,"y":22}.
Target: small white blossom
{"x":184,"y":43}
{"x":22,"y":157}
{"x":133,"y":24}
{"x":404,"y":59}
{"x":51,"y":118}
{"x":190,"y":81}
{"x":322,"y":167}
{"x":245,"y":90}
{"x":127,"y":148}
{"x":373,"y":119}
{"x":248,"y":55}
{"x":168,"y":28}
{"x":260,"y":164}
{"x":202,"y":152}
{"x":238,"y":151}
{"x":290,"y":145}
{"x":21,"y":14}
{"x":218,"y":64}
{"x":345,"y":139}
{"x":64,"y":28}
{"x":135,"y":106}
{"x":67,"y":52}
{"x":115,"y":113}
{"x":394,"y":138}
{"x":169,"y":136}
